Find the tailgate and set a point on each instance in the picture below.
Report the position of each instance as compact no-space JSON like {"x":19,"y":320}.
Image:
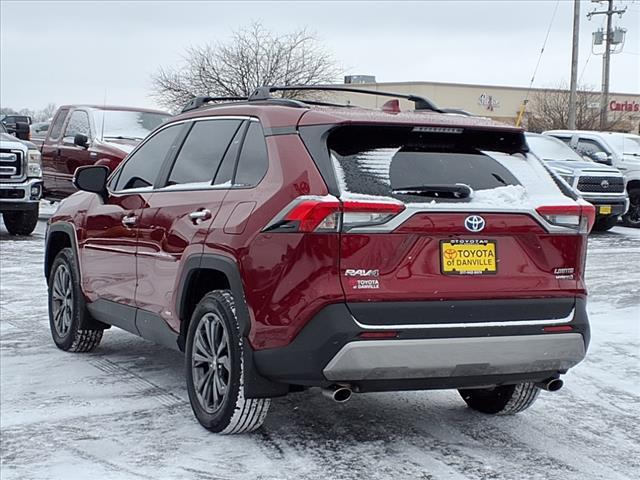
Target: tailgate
{"x":446,"y":247}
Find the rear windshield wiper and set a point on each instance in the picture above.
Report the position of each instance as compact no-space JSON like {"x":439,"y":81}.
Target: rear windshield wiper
{"x":457,"y":190}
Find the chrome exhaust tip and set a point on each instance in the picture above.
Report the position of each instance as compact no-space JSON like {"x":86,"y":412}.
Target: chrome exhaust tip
{"x":551,"y":384}
{"x":338,"y":393}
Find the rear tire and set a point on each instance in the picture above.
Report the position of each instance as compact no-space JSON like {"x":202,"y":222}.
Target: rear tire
{"x":21,"y":222}
{"x":632,"y":217}
{"x":605,"y":223}
{"x":501,"y":400}
{"x":67,"y":310}
{"x":215,"y":376}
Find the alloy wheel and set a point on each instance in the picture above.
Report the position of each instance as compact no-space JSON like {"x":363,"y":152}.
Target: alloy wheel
{"x":62,"y":296}
{"x":210,"y":362}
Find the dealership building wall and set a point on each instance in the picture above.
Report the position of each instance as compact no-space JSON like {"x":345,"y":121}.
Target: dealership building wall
{"x":499,"y":103}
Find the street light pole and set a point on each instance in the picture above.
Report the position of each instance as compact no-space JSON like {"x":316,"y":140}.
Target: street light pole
{"x":574,"y":66}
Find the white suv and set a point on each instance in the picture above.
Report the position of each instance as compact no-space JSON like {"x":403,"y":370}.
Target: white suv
{"x":621,"y":150}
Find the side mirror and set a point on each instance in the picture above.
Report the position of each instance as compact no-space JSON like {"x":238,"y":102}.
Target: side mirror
{"x":92,"y":178}
{"x":22,"y":131}
{"x":81,"y":140}
{"x":601,"y":157}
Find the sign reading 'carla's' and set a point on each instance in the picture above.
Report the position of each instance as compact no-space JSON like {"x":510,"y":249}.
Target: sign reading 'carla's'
{"x":624,"y":106}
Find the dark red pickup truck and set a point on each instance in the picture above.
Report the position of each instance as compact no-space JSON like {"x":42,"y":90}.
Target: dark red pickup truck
{"x":88,"y":135}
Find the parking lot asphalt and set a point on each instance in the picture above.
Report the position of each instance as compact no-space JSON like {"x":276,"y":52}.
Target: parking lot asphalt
{"x":122,"y":412}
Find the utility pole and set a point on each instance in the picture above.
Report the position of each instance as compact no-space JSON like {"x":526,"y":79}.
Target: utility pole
{"x":606,"y":60}
{"x":574,"y":66}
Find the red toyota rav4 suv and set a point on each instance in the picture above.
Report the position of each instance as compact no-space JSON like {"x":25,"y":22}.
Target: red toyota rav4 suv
{"x":283,"y":245}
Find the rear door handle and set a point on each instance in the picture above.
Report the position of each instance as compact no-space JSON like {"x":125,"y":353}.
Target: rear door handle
{"x":200,"y":215}
{"x":129,"y":221}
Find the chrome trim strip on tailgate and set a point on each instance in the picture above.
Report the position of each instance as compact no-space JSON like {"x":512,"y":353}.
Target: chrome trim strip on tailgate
{"x":550,"y":321}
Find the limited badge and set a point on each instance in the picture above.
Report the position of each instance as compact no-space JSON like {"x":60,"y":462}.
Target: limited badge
{"x":564,"y":273}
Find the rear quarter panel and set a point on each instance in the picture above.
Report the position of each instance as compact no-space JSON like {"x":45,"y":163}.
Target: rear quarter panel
{"x":287,"y":277}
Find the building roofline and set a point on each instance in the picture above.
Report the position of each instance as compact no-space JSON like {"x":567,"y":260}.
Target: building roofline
{"x":450,"y":84}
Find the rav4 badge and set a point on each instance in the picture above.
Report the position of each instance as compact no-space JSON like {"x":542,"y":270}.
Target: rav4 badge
{"x":361,"y":272}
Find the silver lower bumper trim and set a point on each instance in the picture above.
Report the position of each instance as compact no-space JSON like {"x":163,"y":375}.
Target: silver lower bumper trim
{"x":454,"y":357}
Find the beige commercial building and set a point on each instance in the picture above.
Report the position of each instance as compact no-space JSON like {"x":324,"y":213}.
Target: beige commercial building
{"x":498,"y":103}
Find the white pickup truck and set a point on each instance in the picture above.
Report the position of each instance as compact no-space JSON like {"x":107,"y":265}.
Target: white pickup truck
{"x":620,"y":150}
{"x":20,"y":183}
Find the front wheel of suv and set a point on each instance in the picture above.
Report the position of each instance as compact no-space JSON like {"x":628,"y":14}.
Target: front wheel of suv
{"x":67,"y":308}
{"x":215,"y":379}
{"x":501,"y":400}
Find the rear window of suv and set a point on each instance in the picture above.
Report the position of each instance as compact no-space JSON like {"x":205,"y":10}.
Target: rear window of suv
{"x":381,"y":161}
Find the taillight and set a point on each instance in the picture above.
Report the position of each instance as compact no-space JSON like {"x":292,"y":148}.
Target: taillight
{"x":328,"y":214}
{"x":361,"y":213}
{"x":315,"y":216}
{"x":578,"y":217}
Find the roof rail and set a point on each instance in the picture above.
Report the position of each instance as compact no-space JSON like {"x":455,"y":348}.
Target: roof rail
{"x":264,"y":93}
{"x":197,"y":102}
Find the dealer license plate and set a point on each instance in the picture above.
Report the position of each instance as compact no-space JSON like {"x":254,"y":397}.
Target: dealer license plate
{"x":468,"y":257}
{"x":605,"y":209}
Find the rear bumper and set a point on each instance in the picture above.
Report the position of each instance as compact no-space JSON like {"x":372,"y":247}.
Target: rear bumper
{"x":455,"y":357}
{"x":488,"y":350}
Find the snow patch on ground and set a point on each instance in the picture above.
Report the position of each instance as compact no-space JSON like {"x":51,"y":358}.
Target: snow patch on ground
{"x":47,"y":208}
{"x":122,"y":412}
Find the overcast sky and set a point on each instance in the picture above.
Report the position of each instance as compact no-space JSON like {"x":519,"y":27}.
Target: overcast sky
{"x":72,"y":52}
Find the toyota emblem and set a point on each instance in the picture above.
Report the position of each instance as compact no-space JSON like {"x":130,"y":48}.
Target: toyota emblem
{"x":474,"y":223}
{"x":604,"y":183}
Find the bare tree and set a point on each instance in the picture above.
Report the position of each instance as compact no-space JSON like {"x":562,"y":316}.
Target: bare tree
{"x":45,"y":114}
{"x":41,"y":115}
{"x":252,"y":58}
{"x":7,"y":111}
{"x":549,"y":110}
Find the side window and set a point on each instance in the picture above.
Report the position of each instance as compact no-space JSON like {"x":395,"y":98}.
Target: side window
{"x":78,"y":123}
{"x":589,"y":147}
{"x":228,"y":165}
{"x":253,"y":161}
{"x":142,"y":168}
{"x":202,"y":151}
{"x":56,"y":128}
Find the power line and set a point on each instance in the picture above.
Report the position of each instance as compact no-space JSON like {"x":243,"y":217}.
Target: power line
{"x":604,"y":21}
{"x":585,"y":66}
{"x":544,"y":44}
{"x":535,"y":70}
